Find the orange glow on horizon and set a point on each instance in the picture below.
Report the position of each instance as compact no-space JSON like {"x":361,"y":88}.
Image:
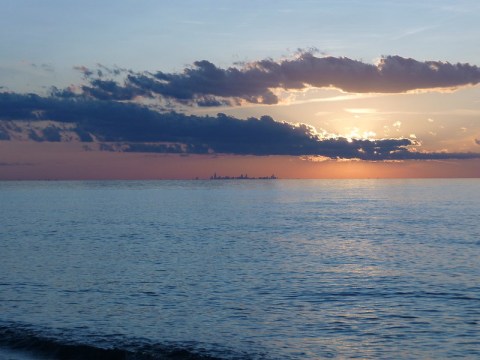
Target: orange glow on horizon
{"x":20,"y":160}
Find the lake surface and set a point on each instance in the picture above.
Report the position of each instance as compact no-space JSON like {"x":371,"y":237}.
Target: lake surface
{"x":252,"y":269}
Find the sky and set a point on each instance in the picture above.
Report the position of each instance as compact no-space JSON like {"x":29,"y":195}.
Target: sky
{"x":300,"y":89}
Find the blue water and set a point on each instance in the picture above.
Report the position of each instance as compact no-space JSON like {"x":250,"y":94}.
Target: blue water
{"x":272,"y":269}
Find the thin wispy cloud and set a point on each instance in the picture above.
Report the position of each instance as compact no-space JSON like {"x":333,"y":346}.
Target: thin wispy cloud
{"x":337,"y":98}
{"x":412,"y":32}
{"x":362,"y":111}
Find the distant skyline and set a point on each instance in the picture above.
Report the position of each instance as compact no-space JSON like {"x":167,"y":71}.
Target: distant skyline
{"x":333,"y":89}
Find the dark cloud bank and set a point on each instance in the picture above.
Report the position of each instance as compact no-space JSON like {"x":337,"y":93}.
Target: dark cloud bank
{"x":205,"y":84}
{"x":141,"y":129}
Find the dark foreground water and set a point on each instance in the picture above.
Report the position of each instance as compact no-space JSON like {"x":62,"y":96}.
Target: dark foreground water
{"x":240,"y":269}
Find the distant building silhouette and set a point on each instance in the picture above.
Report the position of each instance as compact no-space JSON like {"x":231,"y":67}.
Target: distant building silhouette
{"x":241,"y":177}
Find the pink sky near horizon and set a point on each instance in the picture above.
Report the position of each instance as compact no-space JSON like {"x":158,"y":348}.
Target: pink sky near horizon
{"x":28,"y":160}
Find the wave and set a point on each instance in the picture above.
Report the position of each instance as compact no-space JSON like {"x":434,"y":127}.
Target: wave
{"x":26,"y":339}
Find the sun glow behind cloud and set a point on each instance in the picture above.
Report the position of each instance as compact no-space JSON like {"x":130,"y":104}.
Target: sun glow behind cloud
{"x":431,"y":116}
{"x":287,"y":85}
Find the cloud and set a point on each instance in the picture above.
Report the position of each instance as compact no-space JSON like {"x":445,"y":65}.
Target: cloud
{"x":132,"y":127}
{"x":361,"y":111}
{"x":477,"y":141}
{"x":205,"y":84}
{"x":110,"y":90}
{"x":84,"y":70}
{"x":45,"y":67}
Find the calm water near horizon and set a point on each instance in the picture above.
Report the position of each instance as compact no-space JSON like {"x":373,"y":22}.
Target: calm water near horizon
{"x":232,"y":269}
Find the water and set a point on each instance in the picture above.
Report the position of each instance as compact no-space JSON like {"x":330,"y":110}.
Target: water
{"x":283,"y":269}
